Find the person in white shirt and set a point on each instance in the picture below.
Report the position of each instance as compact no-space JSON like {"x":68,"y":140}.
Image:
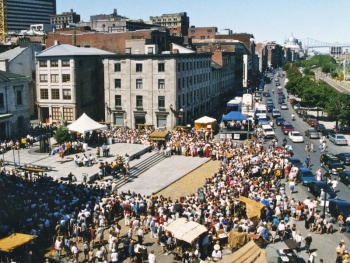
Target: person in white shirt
{"x":216,"y":255}
{"x":114,"y":256}
{"x":152,"y":257}
{"x":334,"y":184}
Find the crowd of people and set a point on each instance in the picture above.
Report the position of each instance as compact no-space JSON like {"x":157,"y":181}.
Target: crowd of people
{"x":86,"y":217}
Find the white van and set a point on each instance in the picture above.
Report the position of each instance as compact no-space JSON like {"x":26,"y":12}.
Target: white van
{"x":268,"y":131}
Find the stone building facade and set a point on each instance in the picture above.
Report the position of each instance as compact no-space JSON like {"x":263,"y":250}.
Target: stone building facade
{"x":69,"y":83}
{"x":14,"y":106}
{"x":161,"y":89}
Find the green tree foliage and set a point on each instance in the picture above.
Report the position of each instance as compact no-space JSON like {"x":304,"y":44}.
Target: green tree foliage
{"x":308,"y":72}
{"x":62,"y":134}
{"x":338,"y":107}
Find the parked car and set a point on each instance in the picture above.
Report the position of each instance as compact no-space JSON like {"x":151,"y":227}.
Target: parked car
{"x":316,"y":187}
{"x":286,"y":127}
{"x":306,"y":117}
{"x":344,"y":176}
{"x":266,"y":94}
{"x":269,"y":100}
{"x":276,"y":113}
{"x":284,"y":106}
{"x":305,"y":175}
{"x":344,"y":158}
{"x":320,"y":127}
{"x":279,"y":121}
{"x":337,"y":207}
{"x":312,"y":122}
{"x":338,"y":139}
{"x":331,"y":163}
{"x":279,"y":91}
{"x":312,"y":134}
{"x":295,"y":161}
{"x":295,"y":136}
{"x":296,"y":106}
{"x":327,"y":132}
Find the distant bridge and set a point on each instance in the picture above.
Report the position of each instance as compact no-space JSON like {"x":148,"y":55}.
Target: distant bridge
{"x":312,"y":43}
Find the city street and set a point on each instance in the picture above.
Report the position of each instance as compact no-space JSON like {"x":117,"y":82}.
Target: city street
{"x":324,"y":244}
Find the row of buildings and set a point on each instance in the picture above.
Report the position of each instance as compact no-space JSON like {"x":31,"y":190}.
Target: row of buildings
{"x":129,"y":73}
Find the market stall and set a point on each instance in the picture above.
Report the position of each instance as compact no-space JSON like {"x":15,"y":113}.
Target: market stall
{"x":185,"y":230}
{"x":249,"y":253}
{"x":253,"y":208}
{"x":205,"y":123}
{"x":12,"y":243}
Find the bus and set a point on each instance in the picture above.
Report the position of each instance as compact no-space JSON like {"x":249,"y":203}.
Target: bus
{"x":234,"y":105}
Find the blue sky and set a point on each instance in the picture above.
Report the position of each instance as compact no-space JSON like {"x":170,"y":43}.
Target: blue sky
{"x":273,"y":20}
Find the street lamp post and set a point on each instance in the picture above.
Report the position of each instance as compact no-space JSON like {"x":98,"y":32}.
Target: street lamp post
{"x":284,"y":154}
{"x":325,"y":199}
{"x":14,"y":158}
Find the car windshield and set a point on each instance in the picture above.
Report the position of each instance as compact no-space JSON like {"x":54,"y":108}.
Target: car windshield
{"x":312,"y":131}
{"x":296,"y":134}
{"x":288,"y":126}
{"x":340,"y":137}
{"x":307,"y":174}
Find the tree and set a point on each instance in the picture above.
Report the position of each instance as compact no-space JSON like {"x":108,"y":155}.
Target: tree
{"x":62,"y":134}
{"x":338,"y":107}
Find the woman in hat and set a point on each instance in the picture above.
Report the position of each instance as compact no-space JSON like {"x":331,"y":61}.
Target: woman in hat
{"x":216,"y":255}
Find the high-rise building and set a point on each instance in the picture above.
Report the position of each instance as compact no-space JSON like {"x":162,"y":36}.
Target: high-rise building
{"x":177,"y":23}
{"x":20,"y":14}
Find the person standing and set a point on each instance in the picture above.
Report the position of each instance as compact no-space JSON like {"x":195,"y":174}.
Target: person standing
{"x":298,"y":239}
{"x":152,"y":257}
{"x":114,"y":256}
{"x":312,"y":257}
{"x":140,"y":235}
{"x":308,"y":241}
{"x":334,"y":184}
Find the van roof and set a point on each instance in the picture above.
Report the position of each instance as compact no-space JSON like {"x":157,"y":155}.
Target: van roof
{"x":266,"y":126}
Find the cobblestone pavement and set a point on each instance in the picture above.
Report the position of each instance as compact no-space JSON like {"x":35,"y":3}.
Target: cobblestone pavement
{"x":189,"y":184}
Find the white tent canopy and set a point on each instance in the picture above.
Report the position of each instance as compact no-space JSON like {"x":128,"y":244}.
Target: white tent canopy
{"x":205,"y":119}
{"x":186,"y":230}
{"x":85,"y":124}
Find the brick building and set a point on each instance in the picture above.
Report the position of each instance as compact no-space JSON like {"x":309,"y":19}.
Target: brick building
{"x":202,"y":32}
{"x":112,"y":42}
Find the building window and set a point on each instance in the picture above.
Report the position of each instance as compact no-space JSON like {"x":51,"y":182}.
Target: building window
{"x":139,"y":102}
{"x":19,"y":97}
{"x":68,"y":114}
{"x":65,"y":77}
{"x":55,"y":94}
{"x":54,"y":78}
{"x":65,"y":63}
{"x":118,"y":100}
{"x":150,"y":50}
{"x":117,"y":83}
{"x":43,"y":78}
{"x":161,"y":84}
{"x":138,"y":67}
{"x":161,"y":67}
{"x":161,"y":121}
{"x":67,"y":94}
{"x":2,"y":100}
{"x":161,"y":102}
{"x":55,"y":113}
{"x":117,"y":67}
{"x":139,"y":84}
{"x":54,"y":63}
{"x":44,"y":94}
{"x":43,"y":64}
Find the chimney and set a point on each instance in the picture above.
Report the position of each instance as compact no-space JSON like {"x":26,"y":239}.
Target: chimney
{"x":175,"y":51}
{"x":71,"y":10}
